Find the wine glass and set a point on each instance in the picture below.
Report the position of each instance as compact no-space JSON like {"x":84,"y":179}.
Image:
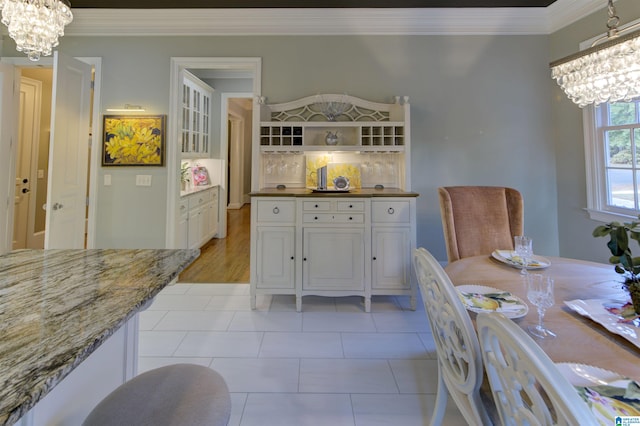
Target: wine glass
{"x":540,"y":293}
{"x":524,"y":249}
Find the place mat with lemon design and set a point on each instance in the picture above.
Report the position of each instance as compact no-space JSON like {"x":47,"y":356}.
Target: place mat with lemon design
{"x":478,"y":298}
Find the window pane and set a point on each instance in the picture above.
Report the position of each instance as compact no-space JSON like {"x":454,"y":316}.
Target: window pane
{"x":622,"y":113}
{"x":619,"y":148}
{"x":620,"y":183}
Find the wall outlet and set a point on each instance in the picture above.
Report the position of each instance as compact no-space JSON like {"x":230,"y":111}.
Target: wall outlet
{"x":143,"y":180}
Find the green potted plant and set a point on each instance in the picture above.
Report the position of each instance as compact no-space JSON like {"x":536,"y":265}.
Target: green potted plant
{"x":625,"y":264}
{"x":185,"y":170}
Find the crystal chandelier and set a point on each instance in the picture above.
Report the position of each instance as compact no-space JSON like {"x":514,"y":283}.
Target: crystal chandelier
{"x":608,"y":71}
{"x":35,"y":25}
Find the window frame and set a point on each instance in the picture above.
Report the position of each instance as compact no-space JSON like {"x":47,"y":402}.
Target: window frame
{"x":595,"y":161}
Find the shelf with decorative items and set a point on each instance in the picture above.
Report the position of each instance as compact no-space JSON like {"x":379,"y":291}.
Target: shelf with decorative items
{"x":371,"y":136}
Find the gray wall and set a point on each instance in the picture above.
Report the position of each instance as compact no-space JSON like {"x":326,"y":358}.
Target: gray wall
{"x":574,"y":225}
{"x":480,"y":115}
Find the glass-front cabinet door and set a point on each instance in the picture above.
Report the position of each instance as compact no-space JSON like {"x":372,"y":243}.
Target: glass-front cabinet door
{"x":196,"y":117}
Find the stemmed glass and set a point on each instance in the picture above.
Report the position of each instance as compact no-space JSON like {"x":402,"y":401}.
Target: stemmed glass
{"x":540,"y":293}
{"x":524,"y":249}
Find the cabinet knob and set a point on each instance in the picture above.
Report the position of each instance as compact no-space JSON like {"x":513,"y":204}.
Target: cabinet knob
{"x":315,"y":218}
{"x":304,"y":258}
{"x":276,"y":210}
{"x":316,"y":206}
{"x":350,"y":218}
{"x":375,"y":258}
{"x":391,"y":210}
{"x":291,"y":257}
{"x":350,"y":206}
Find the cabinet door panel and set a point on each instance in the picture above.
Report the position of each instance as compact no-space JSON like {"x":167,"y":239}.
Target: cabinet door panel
{"x":333,"y":259}
{"x":391,"y":253}
{"x":275,"y":257}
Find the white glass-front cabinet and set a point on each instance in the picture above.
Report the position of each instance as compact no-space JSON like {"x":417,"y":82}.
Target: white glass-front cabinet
{"x":196,"y":117}
{"x":306,"y":242}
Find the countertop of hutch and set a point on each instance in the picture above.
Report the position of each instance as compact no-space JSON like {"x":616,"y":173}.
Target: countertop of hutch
{"x":357,"y":193}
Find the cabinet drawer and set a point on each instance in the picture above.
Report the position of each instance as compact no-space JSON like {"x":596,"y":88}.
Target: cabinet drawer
{"x":391,"y":211}
{"x":200,"y":198}
{"x":276,"y":211}
{"x":333,"y":218}
{"x":183,"y":207}
{"x":321,"y":206}
{"x":350,"y":206}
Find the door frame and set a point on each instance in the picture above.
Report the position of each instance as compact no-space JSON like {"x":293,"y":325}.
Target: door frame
{"x":253,"y":65}
{"x":224,"y":130}
{"x":94,"y":161}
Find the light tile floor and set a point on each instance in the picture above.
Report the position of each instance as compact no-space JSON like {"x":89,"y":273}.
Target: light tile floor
{"x":332,"y":364}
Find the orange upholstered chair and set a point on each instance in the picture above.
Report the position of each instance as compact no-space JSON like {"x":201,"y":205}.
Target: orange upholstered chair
{"x":480,"y":219}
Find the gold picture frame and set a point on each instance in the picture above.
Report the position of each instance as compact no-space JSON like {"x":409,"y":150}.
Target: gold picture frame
{"x":133,"y":140}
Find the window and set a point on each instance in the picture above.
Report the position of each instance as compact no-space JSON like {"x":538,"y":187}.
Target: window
{"x":615,"y":149}
{"x":612,"y":150}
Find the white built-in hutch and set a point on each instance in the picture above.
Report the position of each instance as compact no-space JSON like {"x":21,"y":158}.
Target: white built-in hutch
{"x":333,"y":243}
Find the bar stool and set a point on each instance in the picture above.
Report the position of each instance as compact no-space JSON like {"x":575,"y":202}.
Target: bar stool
{"x":175,"y":395}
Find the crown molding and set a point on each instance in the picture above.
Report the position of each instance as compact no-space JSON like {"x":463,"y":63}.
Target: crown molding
{"x":326,"y":21}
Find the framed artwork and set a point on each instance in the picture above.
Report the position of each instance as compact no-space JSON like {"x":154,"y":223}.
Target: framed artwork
{"x":133,"y":140}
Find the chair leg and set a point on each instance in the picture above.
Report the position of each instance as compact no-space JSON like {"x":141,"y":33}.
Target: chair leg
{"x":441,"y":402}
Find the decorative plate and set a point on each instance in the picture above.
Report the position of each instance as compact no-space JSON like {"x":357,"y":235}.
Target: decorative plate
{"x":512,"y":259}
{"x":609,"y":314}
{"x":478,"y":298}
{"x":608,"y":394}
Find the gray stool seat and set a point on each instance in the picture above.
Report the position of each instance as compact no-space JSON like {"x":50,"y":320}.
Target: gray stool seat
{"x":175,"y":395}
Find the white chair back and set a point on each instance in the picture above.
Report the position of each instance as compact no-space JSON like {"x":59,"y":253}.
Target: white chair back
{"x":527,"y":387}
{"x":459,"y":359}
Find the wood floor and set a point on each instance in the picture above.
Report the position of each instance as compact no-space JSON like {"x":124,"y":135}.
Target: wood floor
{"x":224,"y":260}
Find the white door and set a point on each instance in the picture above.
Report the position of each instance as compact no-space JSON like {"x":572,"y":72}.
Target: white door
{"x":8,"y":108}
{"x":26,"y":161}
{"x":68,"y":154}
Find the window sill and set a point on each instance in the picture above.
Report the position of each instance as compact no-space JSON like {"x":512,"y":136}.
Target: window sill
{"x":606,"y":216}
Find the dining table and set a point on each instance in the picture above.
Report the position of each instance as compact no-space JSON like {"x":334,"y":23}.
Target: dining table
{"x":579,"y":339}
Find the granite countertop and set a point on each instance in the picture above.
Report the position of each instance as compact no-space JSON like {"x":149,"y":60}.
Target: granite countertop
{"x":58,"y":306}
{"x":357,"y":193}
{"x":195,"y":189}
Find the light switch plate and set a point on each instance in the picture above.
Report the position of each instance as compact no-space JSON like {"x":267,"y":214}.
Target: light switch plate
{"x":107,"y":180}
{"x":143,"y":180}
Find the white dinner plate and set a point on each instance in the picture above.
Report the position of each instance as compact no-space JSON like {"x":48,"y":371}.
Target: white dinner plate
{"x":596,"y":310}
{"x":479,"y":298}
{"x":510,"y":258}
{"x":607,"y":394}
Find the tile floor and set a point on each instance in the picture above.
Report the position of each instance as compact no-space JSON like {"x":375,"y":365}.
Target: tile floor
{"x":332,"y":364}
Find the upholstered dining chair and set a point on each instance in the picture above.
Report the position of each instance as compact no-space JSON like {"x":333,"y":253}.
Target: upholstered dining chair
{"x":460,"y":369}
{"x":477,"y":220}
{"x":526,"y":385}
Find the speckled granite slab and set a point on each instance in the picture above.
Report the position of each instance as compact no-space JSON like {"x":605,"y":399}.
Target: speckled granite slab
{"x":57,"y":306}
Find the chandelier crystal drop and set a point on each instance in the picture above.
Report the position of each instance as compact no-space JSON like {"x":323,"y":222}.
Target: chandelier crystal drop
{"x":36,"y":25}
{"x":606,"y":72}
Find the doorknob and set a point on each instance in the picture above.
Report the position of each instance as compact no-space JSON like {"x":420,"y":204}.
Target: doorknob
{"x":57,"y":206}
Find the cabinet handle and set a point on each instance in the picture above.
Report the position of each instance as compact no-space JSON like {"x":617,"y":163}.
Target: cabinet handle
{"x":391,"y":210}
{"x":276,"y":210}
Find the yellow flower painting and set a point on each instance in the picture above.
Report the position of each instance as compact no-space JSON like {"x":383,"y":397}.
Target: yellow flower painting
{"x":131,"y":140}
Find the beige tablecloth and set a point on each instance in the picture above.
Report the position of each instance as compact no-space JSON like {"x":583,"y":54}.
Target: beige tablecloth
{"x":579,"y":339}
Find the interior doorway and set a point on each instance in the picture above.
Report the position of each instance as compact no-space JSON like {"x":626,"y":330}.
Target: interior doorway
{"x":239,"y":112}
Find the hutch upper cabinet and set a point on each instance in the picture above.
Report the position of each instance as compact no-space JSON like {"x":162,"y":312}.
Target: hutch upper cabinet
{"x":307,"y":240}
{"x":196,"y":117}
